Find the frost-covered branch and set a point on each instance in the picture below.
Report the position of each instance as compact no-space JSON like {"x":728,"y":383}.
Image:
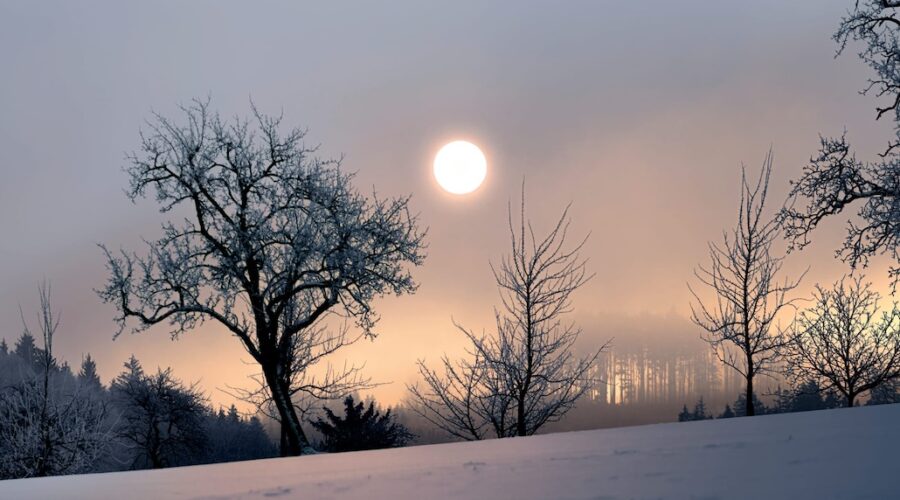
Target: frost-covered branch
{"x":743,"y":272}
{"x":276,"y":239}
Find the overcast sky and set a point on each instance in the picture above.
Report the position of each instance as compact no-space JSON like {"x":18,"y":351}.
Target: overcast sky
{"x":639,"y":112}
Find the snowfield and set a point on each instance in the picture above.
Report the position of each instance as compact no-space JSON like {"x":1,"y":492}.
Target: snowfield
{"x":847,"y":453}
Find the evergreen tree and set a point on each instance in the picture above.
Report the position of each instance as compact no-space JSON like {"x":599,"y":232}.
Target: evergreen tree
{"x":233,"y":414}
{"x":4,"y":349}
{"x":87,"y":376}
{"x":740,"y":406}
{"x":728,"y":413}
{"x":700,"y":412}
{"x":233,"y":438}
{"x":361,"y":428}
{"x":28,"y":351}
{"x":808,"y":396}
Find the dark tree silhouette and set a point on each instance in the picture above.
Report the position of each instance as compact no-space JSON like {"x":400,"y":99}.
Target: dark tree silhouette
{"x":844,"y":343}
{"x":361,"y":428}
{"x":274,"y":240}
{"x":526,"y":375}
{"x":834,"y":179}
{"x":87,"y":376}
{"x":885,"y":394}
{"x":233,"y":437}
{"x":161,"y":421}
{"x":743,"y":272}
{"x":727,"y":412}
{"x":807,"y":395}
{"x":742,"y":409}
{"x":699,"y":412}
{"x":27,"y":350}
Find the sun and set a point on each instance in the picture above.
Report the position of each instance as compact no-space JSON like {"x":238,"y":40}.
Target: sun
{"x":460,"y":167}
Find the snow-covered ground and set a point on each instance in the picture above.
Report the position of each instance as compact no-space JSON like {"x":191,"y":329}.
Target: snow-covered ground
{"x":848,"y":453}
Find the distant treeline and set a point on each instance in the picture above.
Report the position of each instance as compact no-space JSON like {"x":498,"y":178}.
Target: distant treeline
{"x":807,"y":397}
{"x":54,"y":421}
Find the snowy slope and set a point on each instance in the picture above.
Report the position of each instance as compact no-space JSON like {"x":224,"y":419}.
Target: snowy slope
{"x":848,"y":453}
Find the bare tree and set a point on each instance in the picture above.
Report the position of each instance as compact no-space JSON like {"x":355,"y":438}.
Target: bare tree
{"x":161,"y":421}
{"x":844,"y":343}
{"x":47,"y":429}
{"x":834,"y":179}
{"x":269,"y":228}
{"x":526,"y":375}
{"x":743,"y":272}
{"x":468,"y":400}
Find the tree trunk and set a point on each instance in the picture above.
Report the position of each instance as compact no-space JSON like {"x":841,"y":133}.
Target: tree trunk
{"x":520,"y":418}
{"x":293,"y":439}
{"x":851,"y":400}
{"x":750,"y":410}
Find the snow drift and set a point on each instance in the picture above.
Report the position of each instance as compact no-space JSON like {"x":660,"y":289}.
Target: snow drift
{"x":846,"y":453}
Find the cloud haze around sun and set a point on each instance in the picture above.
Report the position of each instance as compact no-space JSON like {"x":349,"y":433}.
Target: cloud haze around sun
{"x":643,"y":129}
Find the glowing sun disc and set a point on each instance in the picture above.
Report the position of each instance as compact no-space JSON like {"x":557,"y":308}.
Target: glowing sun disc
{"x":460,"y":167}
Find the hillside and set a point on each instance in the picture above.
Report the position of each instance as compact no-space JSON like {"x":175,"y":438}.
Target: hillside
{"x":848,"y":453}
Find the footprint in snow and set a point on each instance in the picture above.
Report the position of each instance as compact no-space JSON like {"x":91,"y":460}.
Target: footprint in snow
{"x":474,"y":465}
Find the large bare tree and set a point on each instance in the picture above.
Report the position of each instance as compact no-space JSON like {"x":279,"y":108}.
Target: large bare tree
{"x":834,"y":180}
{"x":527,"y":374}
{"x":268,"y":241}
{"x":844,"y":342}
{"x":743,"y":272}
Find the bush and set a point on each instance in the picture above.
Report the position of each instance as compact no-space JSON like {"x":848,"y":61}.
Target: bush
{"x":361,"y":428}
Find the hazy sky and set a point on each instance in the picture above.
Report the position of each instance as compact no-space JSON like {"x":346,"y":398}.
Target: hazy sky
{"x":639,"y":112}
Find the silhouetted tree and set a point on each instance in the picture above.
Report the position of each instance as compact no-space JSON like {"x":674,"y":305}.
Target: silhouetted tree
{"x":526,"y":375}
{"x":274,"y":241}
{"x":161,"y":421}
{"x":27,"y":350}
{"x":742,"y":409}
{"x":885,"y":394}
{"x":743,"y":273}
{"x":834,"y":179}
{"x":727,"y":413}
{"x":231,"y":437}
{"x":699,"y":412}
{"x":87,"y":376}
{"x":361,"y":428}
{"x":806,"y":396}
{"x":47,"y":428}
{"x":844,"y":343}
